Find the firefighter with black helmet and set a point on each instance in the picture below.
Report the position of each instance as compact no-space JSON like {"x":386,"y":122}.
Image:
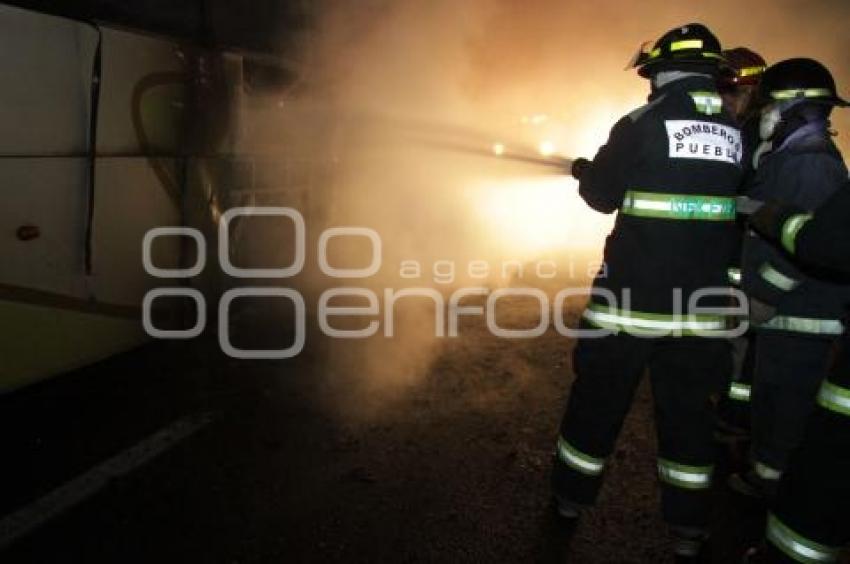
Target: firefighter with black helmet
{"x":796,"y":311}
{"x":739,"y":87}
{"x":671,"y":170}
{"x":808,"y":522}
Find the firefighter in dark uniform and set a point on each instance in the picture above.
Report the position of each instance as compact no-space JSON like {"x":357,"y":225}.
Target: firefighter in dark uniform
{"x":671,"y":169}
{"x":739,"y":87}
{"x":808,"y":522}
{"x":796,"y":312}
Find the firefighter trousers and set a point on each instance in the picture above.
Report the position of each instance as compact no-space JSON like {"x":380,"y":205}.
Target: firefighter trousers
{"x":734,"y":406}
{"x":687,"y":375}
{"x":808,"y":522}
{"x":788,"y":373}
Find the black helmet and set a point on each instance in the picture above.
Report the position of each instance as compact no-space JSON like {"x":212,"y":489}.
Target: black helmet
{"x":800,"y":79}
{"x":691,"y":44}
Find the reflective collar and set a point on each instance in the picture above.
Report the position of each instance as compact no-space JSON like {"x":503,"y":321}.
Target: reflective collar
{"x":684,"y":82}
{"x":662,"y":79}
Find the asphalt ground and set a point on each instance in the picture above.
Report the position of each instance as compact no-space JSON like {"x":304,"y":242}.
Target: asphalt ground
{"x":176,"y":453}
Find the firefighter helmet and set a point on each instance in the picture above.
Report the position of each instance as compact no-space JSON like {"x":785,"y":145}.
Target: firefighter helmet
{"x":742,"y":67}
{"x":800,"y":80}
{"x":688,"y":45}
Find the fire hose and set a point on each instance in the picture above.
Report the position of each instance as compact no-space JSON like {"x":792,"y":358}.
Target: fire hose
{"x":564,"y":165}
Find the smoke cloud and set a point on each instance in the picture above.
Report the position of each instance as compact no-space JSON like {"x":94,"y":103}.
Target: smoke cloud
{"x":392,"y":86}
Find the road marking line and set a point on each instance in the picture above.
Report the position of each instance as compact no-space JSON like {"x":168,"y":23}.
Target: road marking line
{"x":27,"y":519}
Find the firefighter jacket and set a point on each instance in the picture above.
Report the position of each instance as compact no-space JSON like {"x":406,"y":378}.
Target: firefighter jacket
{"x":671,"y":170}
{"x":804,"y":172}
{"x":821,"y":239}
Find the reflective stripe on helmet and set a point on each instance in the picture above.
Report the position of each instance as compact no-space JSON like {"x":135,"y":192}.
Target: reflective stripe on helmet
{"x":678,"y":206}
{"x":796,"y":546}
{"x":633,"y":321}
{"x":791,"y":229}
{"x":776,"y":278}
{"x":751,"y":71}
{"x":684,"y":476}
{"x":804,"y":325}
{"x":578,"y":460}
{"x":739,"y":391}
{"x":686,"y":44}
{"x":766,"y":472}
{"x":834,"y":398}
{"x":802,"y":93}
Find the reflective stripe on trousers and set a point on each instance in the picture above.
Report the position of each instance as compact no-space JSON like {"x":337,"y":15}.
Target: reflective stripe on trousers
{"x":684,"y":476}
{"x":739,"y":391}
{"x":804,"y":325}
{"x":766,"y":472}
{"x":734,"y":276}
{"x":796,"y":546}
{"x":577,"y":460}
{"x":615,"y":319}
{"x":834,"y":398}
